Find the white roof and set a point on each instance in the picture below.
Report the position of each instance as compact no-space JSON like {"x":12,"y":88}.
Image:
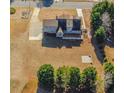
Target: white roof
{"x":86,"y":59}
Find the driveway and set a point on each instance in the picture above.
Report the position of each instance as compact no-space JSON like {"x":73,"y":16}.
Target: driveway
{"x":35,"y":26}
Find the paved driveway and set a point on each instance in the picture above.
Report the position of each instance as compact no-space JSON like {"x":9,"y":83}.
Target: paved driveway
{"x":35,"y":26}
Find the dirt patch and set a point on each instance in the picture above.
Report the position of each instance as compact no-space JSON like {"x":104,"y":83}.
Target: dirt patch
{"x":87,"y":18}
{"x":31,"y":86}
{"x":109,"y":52}
{"x":19,"y":25}
{"x":52,"y":13}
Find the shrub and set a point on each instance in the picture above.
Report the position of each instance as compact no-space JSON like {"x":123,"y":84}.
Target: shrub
{"x":109,"y":77}
{"x":88,"y":80}
{"x":46,"y":76}
{"x":12,"y":10}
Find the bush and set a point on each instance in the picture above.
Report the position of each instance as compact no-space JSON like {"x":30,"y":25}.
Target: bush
{"x":74,"y":78}
{"x":12,"y":10}
{"x":109,"y":77}
{"x":88,"y":80}
{"x":46,"y":76}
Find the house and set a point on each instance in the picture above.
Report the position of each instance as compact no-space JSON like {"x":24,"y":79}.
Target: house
{"x":64,"y":27}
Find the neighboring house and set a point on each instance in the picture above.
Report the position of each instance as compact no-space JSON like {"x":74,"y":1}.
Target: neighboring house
{"x":64,"y":27}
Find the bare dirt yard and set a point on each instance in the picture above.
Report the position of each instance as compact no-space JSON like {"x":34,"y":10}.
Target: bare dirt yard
{"x":109,"y":52}
{"x":87,"y":18}
{"x":52,"y":13}
{"x":27,"y":56}
{"x":19,"y":25}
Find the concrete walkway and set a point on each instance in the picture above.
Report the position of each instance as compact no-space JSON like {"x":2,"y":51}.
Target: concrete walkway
{"x":35,"y":26}
{"x":80,"y":14}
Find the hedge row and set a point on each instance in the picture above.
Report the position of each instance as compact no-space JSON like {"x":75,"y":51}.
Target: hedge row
{"x":67,"y":79}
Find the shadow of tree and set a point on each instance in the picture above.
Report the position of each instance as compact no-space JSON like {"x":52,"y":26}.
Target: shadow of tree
{"x":40,"y":89}
{"x":99,"y":50}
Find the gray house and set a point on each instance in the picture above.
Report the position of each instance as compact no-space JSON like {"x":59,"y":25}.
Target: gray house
{"x":64,"y":27}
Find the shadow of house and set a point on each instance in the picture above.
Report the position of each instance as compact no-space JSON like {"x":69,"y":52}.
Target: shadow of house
{"x":62,"y":32}
{"x":53,"y":42}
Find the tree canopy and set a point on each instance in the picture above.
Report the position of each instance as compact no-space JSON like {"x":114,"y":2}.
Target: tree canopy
{"x":88,"y":80}
{"x":96,"y":16}
{"x":46,"y":76}
{"x":109,"y":77}
{"x":100,"y":34}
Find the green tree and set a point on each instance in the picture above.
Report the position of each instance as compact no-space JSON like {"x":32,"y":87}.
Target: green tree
{"x":96,"y":20}
{"x":100,"y":34}
{"x":88,"y":80}
{"x":74,"y":78}
{"x":109,"y":77}
{"x":97,"y":11}
{"x":46,"y":76}
{"x":61,"y":79}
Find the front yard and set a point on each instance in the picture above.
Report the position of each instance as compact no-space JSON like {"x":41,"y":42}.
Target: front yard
{"x":53,"y":13}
